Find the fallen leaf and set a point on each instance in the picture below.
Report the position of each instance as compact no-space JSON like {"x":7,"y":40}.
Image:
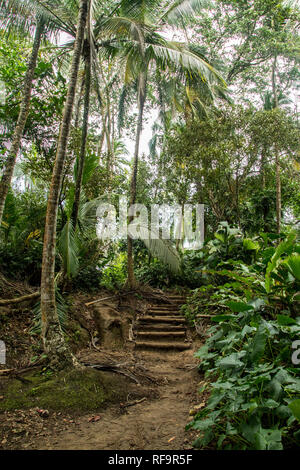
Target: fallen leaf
{"x":172,"y":439}
{"x":94,"y":419}
{"x":43,"y":413}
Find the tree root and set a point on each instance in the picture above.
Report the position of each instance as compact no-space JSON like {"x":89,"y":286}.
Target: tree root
{"x":19,"y":300}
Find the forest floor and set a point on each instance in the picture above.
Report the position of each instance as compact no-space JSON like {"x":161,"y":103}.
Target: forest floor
{"x":152,"y":418}
{"x":147,"y":408}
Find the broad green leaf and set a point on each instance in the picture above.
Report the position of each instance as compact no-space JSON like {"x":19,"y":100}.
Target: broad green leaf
{"x":272,"y":265}
{"x":230,"y":362}
{"x":220,"y":318}
{"x":257,"y":346}
{"x":239,"y":306}
{"x":250,"y":245}
{"x":284,"y":320}
{"x":293,"y":263}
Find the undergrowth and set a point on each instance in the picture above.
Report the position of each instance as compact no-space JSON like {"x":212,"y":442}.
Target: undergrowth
{"x":251,"y":355}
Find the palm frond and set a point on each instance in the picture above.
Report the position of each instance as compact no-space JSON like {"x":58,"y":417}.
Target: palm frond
{"x":91,"y":162}
{"x":68,"y":249}
{"x":175,"y":55}
{"x":158,"y":247}
{"x":20,"y":16}
{"x":61,"y":308}
{"x":140,"y":9}
{"x":183,"y":8}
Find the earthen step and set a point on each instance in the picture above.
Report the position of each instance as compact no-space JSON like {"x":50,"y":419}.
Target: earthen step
{"x":162,"y":327}
{"x":160,"y":334}
{"x":164,"y":313}
{"x":162,"y":319}
{"x":176,"y":297}
{"x":163,"y":307}
{"x":155,"y":345}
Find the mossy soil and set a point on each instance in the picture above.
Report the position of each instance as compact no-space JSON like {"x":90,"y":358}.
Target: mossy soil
{"x":76,"y":390}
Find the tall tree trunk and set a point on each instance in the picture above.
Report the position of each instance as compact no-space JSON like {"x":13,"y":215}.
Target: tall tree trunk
{"x":263,"y":186}
{"x":84,"y":134}
{"x":22,"y":118}
{"x":78,"y":104}
{"x":277,"y":160}
{"x":278,"y":191}
{"x":141,"y":104}
{"x":274,"y":85}
{"x":263,"y":168}
{"x":237,"y":199}
{"x":52,"y":335}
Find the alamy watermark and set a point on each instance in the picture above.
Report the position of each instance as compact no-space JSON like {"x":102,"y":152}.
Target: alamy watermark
{"x":2,"y":93}
{"x":2,"y":353}
{"x":296,"y":353}
{"x":168,"y":222}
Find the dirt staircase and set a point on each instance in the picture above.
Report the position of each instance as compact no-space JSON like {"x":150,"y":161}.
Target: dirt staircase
{"x":163,"y":327}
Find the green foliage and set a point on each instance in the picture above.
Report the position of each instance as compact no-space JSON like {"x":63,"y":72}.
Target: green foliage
{"x":247,"y":358}
{"x":248,"y":408}
{"x":87,"y":279}
{"x":22,"y":232}
{"x":115,"y":274}
{"x":157,"y":274}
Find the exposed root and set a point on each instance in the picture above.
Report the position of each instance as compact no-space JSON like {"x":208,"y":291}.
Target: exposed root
{"x":19,"y":300}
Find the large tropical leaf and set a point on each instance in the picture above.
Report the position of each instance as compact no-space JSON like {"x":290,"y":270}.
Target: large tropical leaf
{"x":272,"y":265}
{"x":293,"y":263}
{"x":158,"y":247}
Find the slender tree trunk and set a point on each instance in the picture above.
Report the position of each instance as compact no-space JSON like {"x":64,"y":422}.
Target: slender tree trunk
{"x":141,"y":103}
{"x":237,"y":199}
{"x":263,"y":186}
{"x":263,"y":169}
{"x":179,"y":241}
{"x":278,"y":177}
{"x":22,"y":118}
{"x":85,"y":126}
{"x":274,"y":85}
{"x":52,"y":335}
{"x":278,"y":191}
{"x":101,"y":142}
{"x":78,"y":104}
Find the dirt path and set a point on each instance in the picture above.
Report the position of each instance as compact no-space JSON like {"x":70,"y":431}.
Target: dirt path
{"x":158,"y":423}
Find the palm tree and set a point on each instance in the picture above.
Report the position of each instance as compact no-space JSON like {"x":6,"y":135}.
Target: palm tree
{"x":85,"y":124}
{"x":141,"y":46}
{"x":53,"y":339}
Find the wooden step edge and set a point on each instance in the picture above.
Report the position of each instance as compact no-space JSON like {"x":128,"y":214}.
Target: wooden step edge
{"x":161,"y":334}
{"x":154,"y":345}
{"x":163,"y":319}
{"x":161,"y":313}
{"x":162,"y":327}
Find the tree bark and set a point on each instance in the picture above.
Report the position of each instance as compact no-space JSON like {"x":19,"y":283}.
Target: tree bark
{"x":53,"y":339}
{"x":85,"y":126}
{"x":278,"y":192}
{"x":278,"y":177}
{"x":22,"y":118}
{"x":141,"y":104}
